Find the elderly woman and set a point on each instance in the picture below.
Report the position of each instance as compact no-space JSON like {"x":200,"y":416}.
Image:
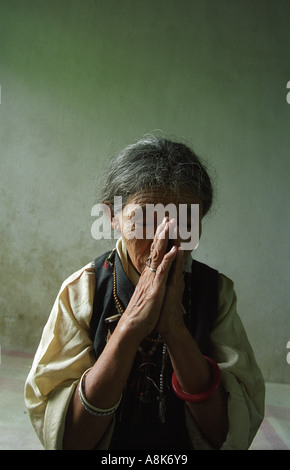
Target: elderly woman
{"x":144,"y":348}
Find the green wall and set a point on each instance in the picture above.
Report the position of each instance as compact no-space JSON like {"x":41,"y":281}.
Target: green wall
{"x":81,"y":78}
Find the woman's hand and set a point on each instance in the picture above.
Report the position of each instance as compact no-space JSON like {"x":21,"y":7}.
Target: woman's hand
{"x":171,"y":315}
{"x":143,"y":311}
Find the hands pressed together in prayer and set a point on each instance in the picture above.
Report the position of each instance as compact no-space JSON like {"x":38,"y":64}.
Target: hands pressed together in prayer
{"x":157,"y":301}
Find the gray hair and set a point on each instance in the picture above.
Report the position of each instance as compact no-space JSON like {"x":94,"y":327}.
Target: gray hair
{"x":154,"y":162}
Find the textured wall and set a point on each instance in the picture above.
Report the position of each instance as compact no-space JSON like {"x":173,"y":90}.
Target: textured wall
{"x":81,"y":79}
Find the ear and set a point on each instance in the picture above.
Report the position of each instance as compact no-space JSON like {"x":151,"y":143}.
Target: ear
{"x":116,"y":223}
{"x":115,"y":219}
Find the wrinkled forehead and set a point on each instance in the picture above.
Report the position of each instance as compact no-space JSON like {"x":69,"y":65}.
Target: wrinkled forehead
{"x":160,"y":196}
{"x":151,"y":207}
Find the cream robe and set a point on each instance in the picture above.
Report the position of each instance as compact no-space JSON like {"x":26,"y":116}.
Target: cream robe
{"x":66,"y":351}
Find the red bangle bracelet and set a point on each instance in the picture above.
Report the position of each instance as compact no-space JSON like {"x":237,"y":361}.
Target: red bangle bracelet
{"x":199,"y":397}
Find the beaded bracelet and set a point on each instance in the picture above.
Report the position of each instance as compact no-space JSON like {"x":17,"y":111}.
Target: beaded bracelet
{"x":199,"y":397}
{"x":90,"y":408}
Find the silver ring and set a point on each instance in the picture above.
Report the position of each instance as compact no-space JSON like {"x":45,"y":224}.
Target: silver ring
{"x":152,"y":269}
{"x":148,"y":263}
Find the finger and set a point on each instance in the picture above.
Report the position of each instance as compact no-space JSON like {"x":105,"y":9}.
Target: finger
{"x":160,"y":233}
{"x":176,"y":274}
{"x":167,"y":261}
{"x":160,"y":242}
{"x":159,"y":245}
{"x":160,"y":227}
{"x":179,"y":262}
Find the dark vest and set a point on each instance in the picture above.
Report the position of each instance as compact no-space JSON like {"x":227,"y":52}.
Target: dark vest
{"x":145,"y":431}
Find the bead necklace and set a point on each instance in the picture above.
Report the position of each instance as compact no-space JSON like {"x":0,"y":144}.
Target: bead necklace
{"x":117,"y":301}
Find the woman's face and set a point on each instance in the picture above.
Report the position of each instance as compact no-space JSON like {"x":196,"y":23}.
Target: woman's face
{"x":135,"y":217}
